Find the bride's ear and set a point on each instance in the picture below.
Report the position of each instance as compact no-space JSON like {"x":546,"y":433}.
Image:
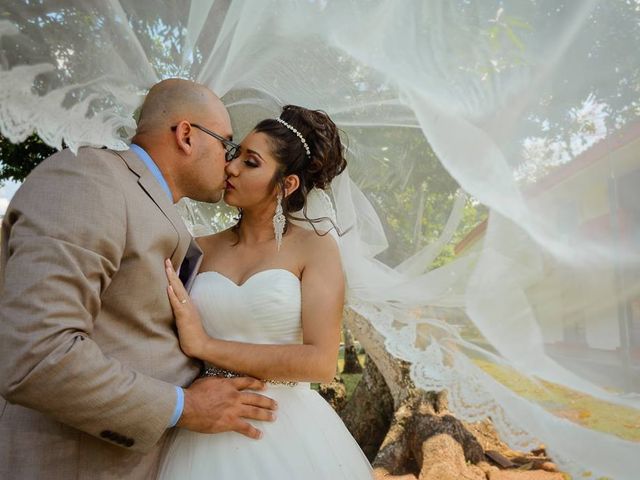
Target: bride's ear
{"x":291,"y":184}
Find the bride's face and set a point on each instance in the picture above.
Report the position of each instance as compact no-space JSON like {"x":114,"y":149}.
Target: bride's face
{"x":250,"y":175}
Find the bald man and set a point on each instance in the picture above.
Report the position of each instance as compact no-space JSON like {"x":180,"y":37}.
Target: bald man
{"x":91,"y":373}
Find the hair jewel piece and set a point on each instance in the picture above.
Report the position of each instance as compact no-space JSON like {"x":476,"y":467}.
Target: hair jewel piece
{"x":298,"y":134}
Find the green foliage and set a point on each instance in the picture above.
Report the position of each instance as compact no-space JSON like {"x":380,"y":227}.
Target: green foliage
{"x":411,"y":191}
{"x":17,"y":160}
{"x":44,"y":39}
{"x":52,"y":21}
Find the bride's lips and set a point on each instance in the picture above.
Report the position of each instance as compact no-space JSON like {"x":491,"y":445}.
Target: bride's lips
{"x":229,"y":186}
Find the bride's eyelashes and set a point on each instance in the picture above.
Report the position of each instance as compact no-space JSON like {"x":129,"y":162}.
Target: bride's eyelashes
{"x":251,"y":163}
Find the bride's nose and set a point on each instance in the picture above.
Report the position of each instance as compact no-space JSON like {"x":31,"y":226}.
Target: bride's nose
{"x":231,"y":168}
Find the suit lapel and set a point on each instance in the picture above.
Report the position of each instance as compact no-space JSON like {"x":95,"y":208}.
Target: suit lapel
{"x":152,"y":188}
{"x":191,"y":265}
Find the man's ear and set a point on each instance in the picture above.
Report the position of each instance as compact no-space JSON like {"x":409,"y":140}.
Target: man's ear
{"x":291,"y":184}
{"x":183,"y":133}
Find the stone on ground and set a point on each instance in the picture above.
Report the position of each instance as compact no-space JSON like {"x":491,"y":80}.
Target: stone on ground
{"x":525,"y":475}
{"x":443,"y":459}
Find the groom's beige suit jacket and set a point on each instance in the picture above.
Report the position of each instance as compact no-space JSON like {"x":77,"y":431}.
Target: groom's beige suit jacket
{"x":89,"y":357}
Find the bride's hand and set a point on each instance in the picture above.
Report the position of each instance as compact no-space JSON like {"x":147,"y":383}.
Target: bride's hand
{"x":190,"y":331}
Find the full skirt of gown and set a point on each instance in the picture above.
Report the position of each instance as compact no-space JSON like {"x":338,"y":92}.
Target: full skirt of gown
{"x":307,"y":441}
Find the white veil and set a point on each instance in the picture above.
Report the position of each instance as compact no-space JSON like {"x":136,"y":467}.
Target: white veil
{"x":526,"y":110}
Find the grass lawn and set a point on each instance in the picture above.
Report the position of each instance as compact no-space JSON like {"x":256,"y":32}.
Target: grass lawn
{"x":350,"y":379}
{"x":595,"y":414}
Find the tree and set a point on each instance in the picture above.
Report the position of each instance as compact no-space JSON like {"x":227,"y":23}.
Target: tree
{"x":351,"y":361}
{"x":17,"y":160}
{"x":44,"y":38}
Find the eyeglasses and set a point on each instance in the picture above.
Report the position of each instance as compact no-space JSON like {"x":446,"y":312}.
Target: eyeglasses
{"x":231,"y":149}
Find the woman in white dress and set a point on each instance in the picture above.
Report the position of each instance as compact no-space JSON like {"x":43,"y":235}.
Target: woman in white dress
{"x":268,"y":303}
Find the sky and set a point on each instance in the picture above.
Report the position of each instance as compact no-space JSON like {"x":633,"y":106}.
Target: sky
{"x":6,"y":192}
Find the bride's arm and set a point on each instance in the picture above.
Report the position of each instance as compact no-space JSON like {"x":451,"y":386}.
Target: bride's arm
{"x":313,"y":361}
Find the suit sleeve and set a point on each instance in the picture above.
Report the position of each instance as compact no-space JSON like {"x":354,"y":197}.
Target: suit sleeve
{"x":67,"y":232}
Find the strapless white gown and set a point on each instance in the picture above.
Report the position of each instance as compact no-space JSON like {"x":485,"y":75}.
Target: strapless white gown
{"x":308,"y":440}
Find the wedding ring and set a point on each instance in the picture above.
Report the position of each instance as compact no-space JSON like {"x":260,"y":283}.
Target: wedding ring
{"x":183,"y":301}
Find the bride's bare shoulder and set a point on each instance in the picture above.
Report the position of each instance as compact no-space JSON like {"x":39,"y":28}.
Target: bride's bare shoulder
{"x":215,"y":240}
{"x":317,"y":244}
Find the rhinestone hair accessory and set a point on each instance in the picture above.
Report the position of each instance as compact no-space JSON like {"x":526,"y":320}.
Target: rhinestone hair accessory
{"x":298,"y":134}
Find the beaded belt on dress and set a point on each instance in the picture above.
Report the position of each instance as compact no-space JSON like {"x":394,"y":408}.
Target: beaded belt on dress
{"x":221,"y":372}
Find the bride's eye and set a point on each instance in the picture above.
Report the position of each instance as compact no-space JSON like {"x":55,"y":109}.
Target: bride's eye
{"x":251,"y":163}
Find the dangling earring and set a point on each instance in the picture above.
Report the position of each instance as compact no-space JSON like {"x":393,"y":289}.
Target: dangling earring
{"x":279,"y":222}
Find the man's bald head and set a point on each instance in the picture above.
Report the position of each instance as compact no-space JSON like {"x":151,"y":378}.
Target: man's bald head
{"x":170,"y":130}
{"x":173,"y":100}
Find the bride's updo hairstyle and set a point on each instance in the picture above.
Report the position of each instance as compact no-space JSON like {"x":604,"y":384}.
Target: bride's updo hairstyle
{"x":316,"y":169}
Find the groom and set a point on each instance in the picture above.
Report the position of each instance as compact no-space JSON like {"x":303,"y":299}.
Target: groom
{"x":91,"y":372}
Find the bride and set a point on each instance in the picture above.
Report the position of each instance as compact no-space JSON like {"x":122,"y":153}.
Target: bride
{"x":268,"y":303}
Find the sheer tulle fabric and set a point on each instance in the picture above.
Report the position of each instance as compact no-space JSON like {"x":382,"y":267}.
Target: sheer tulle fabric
{"x":528,"y":109}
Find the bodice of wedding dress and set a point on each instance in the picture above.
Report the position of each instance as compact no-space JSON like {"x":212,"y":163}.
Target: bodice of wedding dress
{"x":266,"y":308}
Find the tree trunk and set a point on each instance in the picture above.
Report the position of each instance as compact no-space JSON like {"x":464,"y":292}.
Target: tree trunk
{"x":351,"y":362}
{"x":369,"y":411}
{"x":410,"y":434}
{"x":334,"y":393}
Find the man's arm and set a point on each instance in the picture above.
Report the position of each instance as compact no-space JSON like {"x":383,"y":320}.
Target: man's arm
{"x":67,"y":229}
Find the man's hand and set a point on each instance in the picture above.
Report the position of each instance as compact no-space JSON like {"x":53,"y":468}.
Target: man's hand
{"x":215,"y":405}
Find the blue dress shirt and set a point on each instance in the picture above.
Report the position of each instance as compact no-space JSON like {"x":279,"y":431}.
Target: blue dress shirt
{"x":153,"y":168}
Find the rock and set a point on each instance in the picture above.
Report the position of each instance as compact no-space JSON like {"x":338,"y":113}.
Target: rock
{"x":486,"y":434}
{"x":443,"y":459}
{"x":540,"y":451}
{"x":381,"y":474}
{"x":426,"y":425}
{"x":525,"y":475}
{"x":522,"y":459}
{"x":499,"y":458}
{"x":486,"y":467}
{"x":535,"y":463}
{"x":476,"y":472}
{"x":549,"y":467}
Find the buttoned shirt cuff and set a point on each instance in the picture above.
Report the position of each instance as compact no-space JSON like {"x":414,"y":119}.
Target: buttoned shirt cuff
{"x":177,"y":413}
